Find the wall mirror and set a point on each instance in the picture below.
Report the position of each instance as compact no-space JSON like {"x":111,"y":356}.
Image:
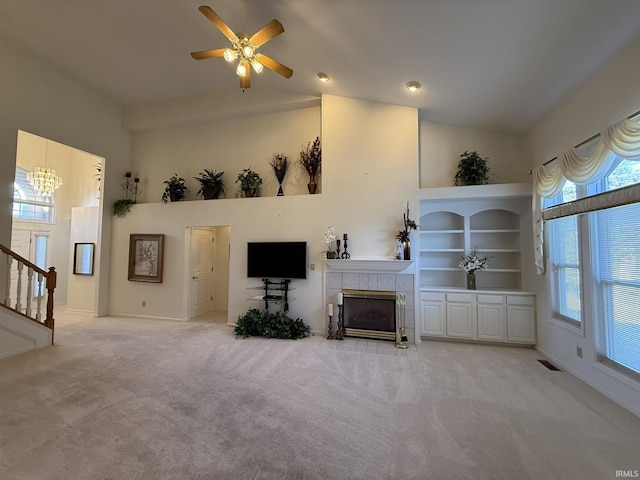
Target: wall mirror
{"x":83,"y":259}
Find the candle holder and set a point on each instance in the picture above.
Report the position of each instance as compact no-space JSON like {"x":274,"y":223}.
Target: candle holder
{"x":338,"y":248}
{"x":136,"y":189}
{"x":340,"y":329}
{"x":126,"y":186}
{"x":345,"y":254}
{"x":330,"y":335}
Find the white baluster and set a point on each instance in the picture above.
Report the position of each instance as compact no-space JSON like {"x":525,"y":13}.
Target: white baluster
{"x":29,"y":289}
{"x":7,"y":293}
{"x":39,"y":298}
{"x":19,"y":287}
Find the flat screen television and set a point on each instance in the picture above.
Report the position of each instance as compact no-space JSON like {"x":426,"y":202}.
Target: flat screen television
{"x":277,"y":259}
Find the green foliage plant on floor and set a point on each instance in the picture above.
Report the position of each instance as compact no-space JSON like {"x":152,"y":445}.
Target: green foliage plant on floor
{"x":261,"y":323}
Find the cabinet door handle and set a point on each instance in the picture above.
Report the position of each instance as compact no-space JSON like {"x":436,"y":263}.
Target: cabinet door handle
{"x":194,"y":278}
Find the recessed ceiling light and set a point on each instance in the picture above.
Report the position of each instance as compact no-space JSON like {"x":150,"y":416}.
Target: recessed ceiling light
{"x":324,"y":77}
{"x":413,"y":86}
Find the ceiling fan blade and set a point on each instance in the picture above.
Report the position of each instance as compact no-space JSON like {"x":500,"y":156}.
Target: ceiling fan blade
{"x":208,"y":54}
{"x":245,"y":82}
{"x":275,"y":66}
{"x":266,"y":33}
{"x":218,"y":22}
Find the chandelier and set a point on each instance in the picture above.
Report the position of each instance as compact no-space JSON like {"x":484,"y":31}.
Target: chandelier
{"x":44,"y":179}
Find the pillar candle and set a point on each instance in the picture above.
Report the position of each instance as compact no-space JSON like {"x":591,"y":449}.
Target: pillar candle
{"x":331,"y":309}
{"x":340,"y":298}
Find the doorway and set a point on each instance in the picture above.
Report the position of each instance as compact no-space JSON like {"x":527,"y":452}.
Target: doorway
{"x":44,"y":228}
{"x":209,"y":272}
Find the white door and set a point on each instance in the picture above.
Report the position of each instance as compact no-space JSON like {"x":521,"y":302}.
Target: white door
{"x":201,"y":271}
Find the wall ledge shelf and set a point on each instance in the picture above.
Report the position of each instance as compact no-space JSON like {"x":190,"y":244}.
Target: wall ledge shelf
{"x":499,"y":190}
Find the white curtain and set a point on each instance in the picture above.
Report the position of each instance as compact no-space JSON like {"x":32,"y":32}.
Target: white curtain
{"x":621,"y":139}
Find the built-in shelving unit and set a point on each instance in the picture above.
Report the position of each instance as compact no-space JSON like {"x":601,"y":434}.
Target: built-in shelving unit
{"x":493,"y":224}
{"x":495,"y":220}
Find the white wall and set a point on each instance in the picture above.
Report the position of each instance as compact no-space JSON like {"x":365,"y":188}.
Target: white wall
{"x":609,"y":96}
{"x":228,"y":146}
{"x":40,"y":100}
{"x":81,"y":295}
{"x":222,"y":236}
{"x":441,"y":146}
{"x":369,"y":173}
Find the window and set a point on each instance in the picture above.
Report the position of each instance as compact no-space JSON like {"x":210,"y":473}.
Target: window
{"x":27,"y":205}
{"x":565,"y":269}
{"x":610,"y":237}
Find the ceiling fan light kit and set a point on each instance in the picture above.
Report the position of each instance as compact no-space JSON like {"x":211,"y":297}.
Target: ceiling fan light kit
{"x":244,"y":48}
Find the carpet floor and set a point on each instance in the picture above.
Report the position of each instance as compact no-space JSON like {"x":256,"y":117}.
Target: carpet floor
{"x":144,"y":399}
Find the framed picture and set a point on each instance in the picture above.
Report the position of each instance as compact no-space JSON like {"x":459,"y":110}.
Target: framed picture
{"x":83,"y":258}
{"x":146,"y":255}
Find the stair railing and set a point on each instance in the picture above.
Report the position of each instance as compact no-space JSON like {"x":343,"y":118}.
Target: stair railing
{"x":23,"y":303}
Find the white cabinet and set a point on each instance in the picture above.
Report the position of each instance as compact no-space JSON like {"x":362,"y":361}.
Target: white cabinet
{"x":521,"y":319}
{"x":492,"y":318}
{"x":483,"y":316}
{"x":460,"y":315}
{"x":432,"y":306}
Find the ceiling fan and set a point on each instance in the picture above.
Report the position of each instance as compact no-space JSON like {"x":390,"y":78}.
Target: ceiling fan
{"x":244,"y":48}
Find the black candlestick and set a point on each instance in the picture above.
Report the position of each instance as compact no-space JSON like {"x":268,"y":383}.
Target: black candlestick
{"x":340,"y":328}
{"x":345,"y":254}
{"x":330,"y":335}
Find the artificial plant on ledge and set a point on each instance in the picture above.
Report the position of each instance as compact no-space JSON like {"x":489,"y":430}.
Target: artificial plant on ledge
{"x":311,"y":160}
{"x":404,"y":234}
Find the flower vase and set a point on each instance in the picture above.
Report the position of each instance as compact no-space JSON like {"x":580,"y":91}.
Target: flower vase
{"x":471,"y":281}
{"x":280,"y":192}
{"x":312,"y":186}
{"x":406,"y":246}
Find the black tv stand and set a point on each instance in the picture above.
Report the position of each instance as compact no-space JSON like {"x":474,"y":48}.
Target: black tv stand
{"x":269,"y":295}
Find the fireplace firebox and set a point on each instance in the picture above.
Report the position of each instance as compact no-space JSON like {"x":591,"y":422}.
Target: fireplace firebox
{"x":369,"y":314}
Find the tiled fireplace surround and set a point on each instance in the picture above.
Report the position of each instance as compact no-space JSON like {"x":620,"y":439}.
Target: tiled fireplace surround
{"x":383,"y":275}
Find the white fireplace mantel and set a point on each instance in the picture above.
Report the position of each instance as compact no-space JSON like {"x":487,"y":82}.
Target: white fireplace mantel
{"x":370,"y":265}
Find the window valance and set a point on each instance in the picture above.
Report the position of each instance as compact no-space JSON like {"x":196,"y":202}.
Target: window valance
{"x":621,"y":139}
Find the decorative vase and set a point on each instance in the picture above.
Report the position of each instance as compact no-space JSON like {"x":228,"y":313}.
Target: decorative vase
{"x":312,"y":186}
{"x":406,"y":246}
{"x":471,"y":281}
{"x":280,"y":192}
{"x":248,"y":193}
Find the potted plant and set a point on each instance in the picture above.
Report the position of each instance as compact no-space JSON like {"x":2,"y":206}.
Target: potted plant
{"x":211,"y":184}
{"x":250,"y":182}
{"x":472,"y":170}
{"x":121,"y":207}
{"x":175,"y":189}
{"x":311,"y":160}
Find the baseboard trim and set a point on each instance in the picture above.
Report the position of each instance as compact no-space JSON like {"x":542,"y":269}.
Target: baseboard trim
{"x":624,"y":404}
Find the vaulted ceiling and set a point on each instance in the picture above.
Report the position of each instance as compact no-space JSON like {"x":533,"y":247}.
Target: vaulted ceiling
{"x":498,"y":65}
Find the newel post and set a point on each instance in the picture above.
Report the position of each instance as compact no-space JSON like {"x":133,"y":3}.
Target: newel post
{"x":51,"y":286}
